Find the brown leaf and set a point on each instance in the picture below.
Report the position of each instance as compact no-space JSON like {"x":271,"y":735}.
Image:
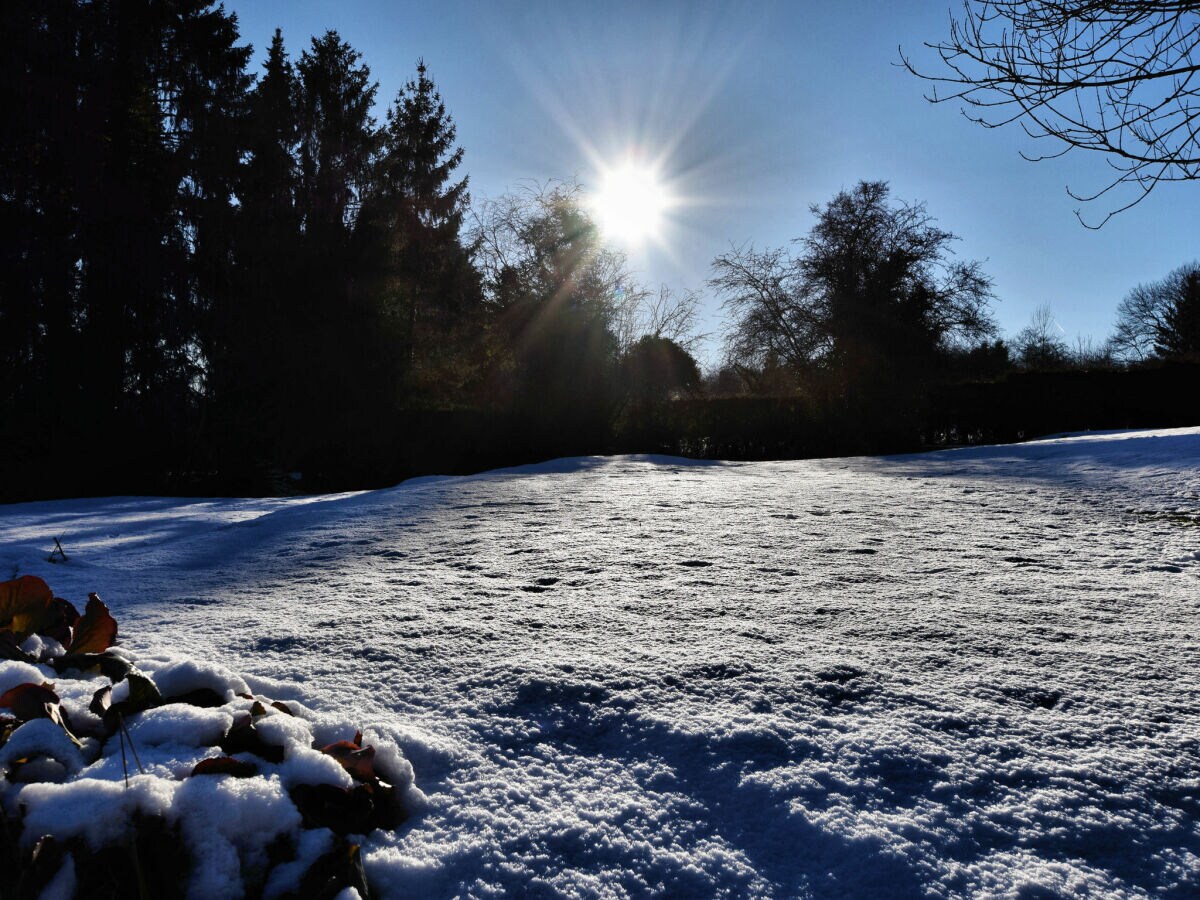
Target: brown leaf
{"x":36,"y":701}
{"x":243,"y":737}
{"x":9,"y":648}
{"x":101,"y":701}
{"x":112,"y":667}
{"x":282,"y":707}
{"x":96,"y":631}
{"x":358,"y":761}
{"x":61,"y":617}
{"x":206,"y":698}
{"x":27,"y":606}
{"x":389,"y":812}
{"x":23,"y":601}
{"x":30,"y":701}
{"x":225,"y":765}
{"x":333,"y":872}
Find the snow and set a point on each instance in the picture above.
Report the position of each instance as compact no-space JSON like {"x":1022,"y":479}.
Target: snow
{"x":180,"y":725}
{"x":14,"y":673}
{"x":952,"y":674}
{"x":176,"y":677}
{"x":228,"y":822}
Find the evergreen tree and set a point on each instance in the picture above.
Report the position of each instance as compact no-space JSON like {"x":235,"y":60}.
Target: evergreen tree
{"x":251,"y":355}
{"x":118,"y":175}
{"x":337,"y":135}
{"x":429,"y":287}
{"x":341,"y":385}
{"x":1180,"y":336}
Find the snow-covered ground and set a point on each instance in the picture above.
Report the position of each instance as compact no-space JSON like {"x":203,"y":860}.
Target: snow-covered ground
{"x":962,"y":673}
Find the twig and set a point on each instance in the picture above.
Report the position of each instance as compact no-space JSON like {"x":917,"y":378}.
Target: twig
{"x":129,"y":737}
{"x":124,"y":762}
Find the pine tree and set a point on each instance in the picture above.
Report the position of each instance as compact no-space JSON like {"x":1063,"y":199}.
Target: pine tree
{"x":428,"y":283}
{"x":251,"y":355}
{"x":1180,"y":334}
{"x":119,"y":168}
{"x":336,"y":334}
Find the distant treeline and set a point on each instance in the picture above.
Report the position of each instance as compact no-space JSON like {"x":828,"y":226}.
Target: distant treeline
{"x":215,"y":281}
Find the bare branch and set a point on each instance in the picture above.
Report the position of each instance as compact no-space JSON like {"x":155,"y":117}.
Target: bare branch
{"x":1119,"y":77}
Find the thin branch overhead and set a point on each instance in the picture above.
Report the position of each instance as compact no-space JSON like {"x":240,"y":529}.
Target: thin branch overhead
{"x":1121,"y":77}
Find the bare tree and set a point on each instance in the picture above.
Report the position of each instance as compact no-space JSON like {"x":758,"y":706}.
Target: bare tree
{"x":1040,"y":344}
{"x":775,"y":315}
{"x":1121,"y":77}
{"x":1089,"y":354}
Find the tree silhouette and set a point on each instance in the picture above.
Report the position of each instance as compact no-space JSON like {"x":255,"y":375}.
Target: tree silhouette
{"x":1039,"y":344}
{"x":251,"y":351}
{"x":1161,"y":318}
{"x":554,"y":293}
{"x":120,"y":155}
{"x":343,"y":384}
{"x":1113,"y":76}
{"x":872,"y":299}
{"x":428,"y":284}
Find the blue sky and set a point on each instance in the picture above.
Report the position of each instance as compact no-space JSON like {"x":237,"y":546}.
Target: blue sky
{"x":756,"y":111}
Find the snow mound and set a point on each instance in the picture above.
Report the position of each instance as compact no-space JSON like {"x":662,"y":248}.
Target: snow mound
{"x":236,"y":791}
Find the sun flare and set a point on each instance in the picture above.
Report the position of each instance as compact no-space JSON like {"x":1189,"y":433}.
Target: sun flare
{"x":631,"y":203}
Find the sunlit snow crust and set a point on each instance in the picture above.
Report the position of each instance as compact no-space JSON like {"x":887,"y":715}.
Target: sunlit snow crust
{"x":970,"y":672}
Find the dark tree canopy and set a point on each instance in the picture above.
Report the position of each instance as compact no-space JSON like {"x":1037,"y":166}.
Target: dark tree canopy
{"x":554,"y":292}
{"x":118,"y":162}
{"x":416,"y":208}
{"x":872,"y":295}
{"x":1162,"y":318}
{"x":1121,"y":77}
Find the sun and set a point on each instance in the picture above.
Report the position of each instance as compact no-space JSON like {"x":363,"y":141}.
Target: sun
{"x":630,"y":204}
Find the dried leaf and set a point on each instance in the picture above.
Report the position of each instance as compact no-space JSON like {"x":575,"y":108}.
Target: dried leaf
{"x":9,"y":648}
{"x":225,"y":765}
{"x":143,"y":694}
{"x":389,"y":812}
{"x":206,"y":698}
{"x":24,"y":603}
{"x":96,"y":631}
{"x":112,"y":667}
{"x":282,"y":707}
{"x":101,"y":701}
{"x":332,"y":873}
{"x":30,"y":701}
{"x":36,"y":701}
{"x":243,"y":737}
{"x":60,"y":618}
{"x":358,"y":761}
{"x":342,"y":810}
{"x":258,"y":709}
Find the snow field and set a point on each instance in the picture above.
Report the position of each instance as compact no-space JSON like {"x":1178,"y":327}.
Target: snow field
{"x":955,"y":674}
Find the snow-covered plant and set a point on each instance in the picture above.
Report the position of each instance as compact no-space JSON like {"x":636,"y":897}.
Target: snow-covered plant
{"x":207,"y":789}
